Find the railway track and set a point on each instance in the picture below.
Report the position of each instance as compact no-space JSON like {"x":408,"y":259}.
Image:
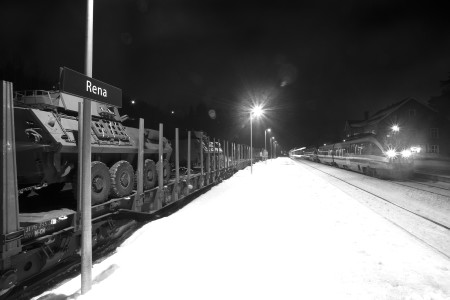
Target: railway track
{"x":429,"y":230}
{"x":426,"y":187}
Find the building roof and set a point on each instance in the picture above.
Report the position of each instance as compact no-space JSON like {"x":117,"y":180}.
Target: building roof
{"x":382,"y":114}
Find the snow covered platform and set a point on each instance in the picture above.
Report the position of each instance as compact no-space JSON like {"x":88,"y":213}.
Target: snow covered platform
{"x":279,"y":233}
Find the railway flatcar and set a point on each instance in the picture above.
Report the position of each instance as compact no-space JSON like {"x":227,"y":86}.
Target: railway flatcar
{"x":40,"y":145}
{"x":366,"y":154}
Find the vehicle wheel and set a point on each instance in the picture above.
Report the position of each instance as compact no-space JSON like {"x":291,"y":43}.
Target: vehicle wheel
{"x":122,"y":179}
{"x":101,"y":182}
{"x":51,"y":189}
{"x":149,"y":174}
{"x":166,"y":170}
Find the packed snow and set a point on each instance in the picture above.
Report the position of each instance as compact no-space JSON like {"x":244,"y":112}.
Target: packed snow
{"x":279,"y":233}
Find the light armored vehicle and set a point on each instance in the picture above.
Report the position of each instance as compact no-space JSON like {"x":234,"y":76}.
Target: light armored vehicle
{"x":47,"y":134}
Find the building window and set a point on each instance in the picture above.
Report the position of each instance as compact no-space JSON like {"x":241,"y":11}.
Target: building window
{"x":434,"y":132}
{"x":433,"y":149}
{"x":412,"y":113}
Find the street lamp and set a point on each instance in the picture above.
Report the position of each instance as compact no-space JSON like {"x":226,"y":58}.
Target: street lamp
{"x":254,"y":112}
{"x":265,"y":147}
{"x":275,"y":145}
{"x":271,"y":148}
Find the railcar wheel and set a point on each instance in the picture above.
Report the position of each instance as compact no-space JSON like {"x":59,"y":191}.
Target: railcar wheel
{"x":149,"y":174}
{"x":122,"y":178}
{"x":101,"y":182}
{"x":166,"y":170}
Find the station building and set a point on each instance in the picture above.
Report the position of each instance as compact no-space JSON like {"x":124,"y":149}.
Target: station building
{"x":407,"y":124}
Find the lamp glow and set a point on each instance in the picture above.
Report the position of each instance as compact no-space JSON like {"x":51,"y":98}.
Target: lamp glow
{"x":406,"y":153}
{"x":391,"y":153}
{"x":257,"y":111}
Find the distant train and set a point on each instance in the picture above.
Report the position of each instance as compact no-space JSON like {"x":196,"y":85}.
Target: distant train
{"x":364,"y":154}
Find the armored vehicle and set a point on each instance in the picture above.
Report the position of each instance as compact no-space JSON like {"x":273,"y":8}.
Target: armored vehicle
{"x":47,"y":134}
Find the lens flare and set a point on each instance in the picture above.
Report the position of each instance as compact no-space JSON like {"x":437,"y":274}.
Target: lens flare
{"x":391,"y":153}
{"x":406,"y":153}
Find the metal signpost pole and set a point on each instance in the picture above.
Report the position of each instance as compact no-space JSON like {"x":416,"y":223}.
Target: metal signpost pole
{"x":86,"y":234}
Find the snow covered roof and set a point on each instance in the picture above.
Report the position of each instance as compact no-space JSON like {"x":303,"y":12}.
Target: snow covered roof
{"x":383,"y":113}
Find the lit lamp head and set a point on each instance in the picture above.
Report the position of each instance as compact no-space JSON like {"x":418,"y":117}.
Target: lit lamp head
{"x":256,"y":111}
{"x":395,"y":128}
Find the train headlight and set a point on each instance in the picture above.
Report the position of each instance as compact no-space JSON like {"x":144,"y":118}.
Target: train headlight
{"x":391,"y":153}
{"x":406,"y":153}
{"x":416,"y":149}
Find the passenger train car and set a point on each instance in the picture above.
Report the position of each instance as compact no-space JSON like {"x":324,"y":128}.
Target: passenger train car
{"x":367,"y":155}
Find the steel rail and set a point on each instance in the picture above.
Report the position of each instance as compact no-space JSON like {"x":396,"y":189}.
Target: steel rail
{"x":447,"y":255}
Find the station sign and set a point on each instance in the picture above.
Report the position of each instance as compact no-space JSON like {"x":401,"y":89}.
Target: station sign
{"x":77,"y":84}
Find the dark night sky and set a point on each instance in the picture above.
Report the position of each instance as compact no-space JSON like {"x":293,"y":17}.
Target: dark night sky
{"x":317,"y":63}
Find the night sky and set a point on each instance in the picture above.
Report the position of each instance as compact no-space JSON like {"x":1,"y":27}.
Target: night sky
{"x":314,"y":64}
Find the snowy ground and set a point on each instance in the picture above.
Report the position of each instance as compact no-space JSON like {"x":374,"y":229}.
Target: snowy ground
{"x":281,"y":233}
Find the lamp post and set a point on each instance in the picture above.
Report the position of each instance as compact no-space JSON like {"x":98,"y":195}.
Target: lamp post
{"x":254,"y":112}
{"x":271,"y":147}
{"x":275,"y":149}
{"x":265,"y":147}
